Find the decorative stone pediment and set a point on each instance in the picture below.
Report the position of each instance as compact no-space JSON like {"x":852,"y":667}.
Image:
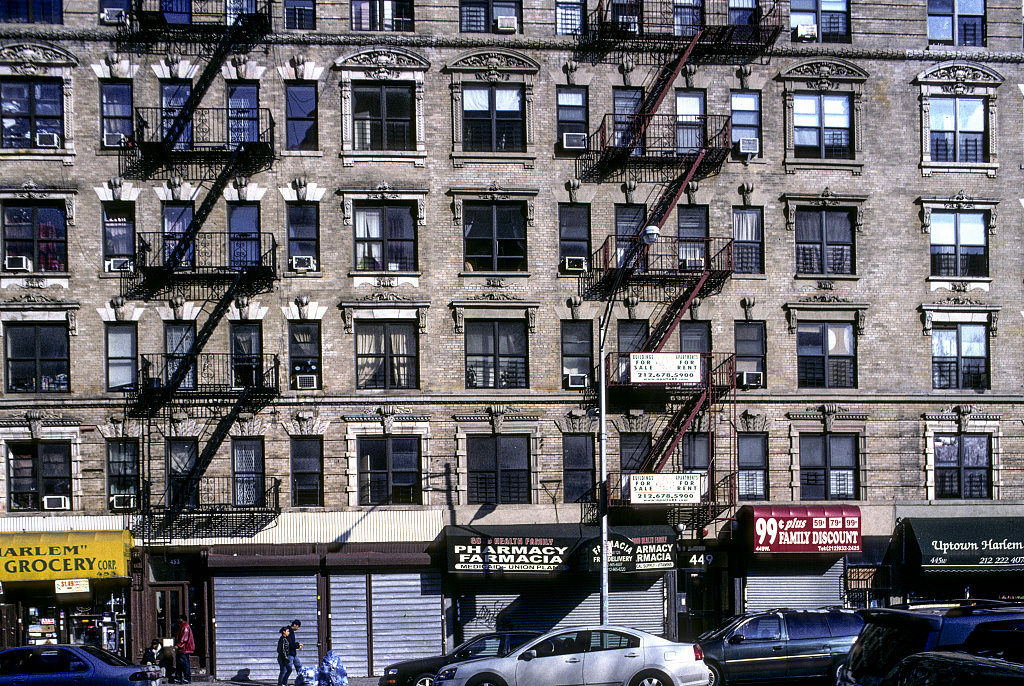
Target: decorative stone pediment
{"x":960,"y":78}
{"x":824,"y":74}
{"x":306,"y":423}
{"x":576,"y":421}
{"x":35,"y":58}
{"x":382,"y":63}
{"x":493,"y":65}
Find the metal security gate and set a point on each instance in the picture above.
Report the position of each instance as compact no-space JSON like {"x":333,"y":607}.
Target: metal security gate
{"x":801,"y":585}
{"x":348,"y":622}
{"x":249,"y":612}
{"x":543,"y":605}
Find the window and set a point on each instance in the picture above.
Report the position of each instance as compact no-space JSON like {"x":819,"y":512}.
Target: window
{"x":243,"y":113}
{"x":746,"y":120}
{"x":382,"y":15}
{"x":634,"y":449}
{"x":243,"y":234}
{"x":744,"y":13}
{"x":493,"y":119}
{"x":386,"y":355}
{"x":119,"y":231}
{"x":806,"y":626}
{"x":958,"y":244}
{"x":303,"y":236}
{"x":37,"y":358}
{"x":382,"y":116}
{"x":824,"y":241}
{"x":626,"y":103}
{"x":38,"y":470}
{"x":31,"y":12}
{"x":481,"y":16}
{"x":693,"y":237}
{"x":247,"y":472}
{"x":389,"y":471}
{"x":247,"y":354}
{"x":828,"y":466}
{"x":960,"y":356}
{"x":569,"y":17}
{"x":631,"y":334}
{"x":495,"y":236}
{"x":957,"y":127}
{"x":115,"y":112}
{"x":753,"y":466}
{"x":498,"y":469}
{"x":963,"y":466}
{"x":115,"y":4}
{"x":496,"y":354}
{"x":821,"y":126}
{"x":573,"y":233}
{"x":824,"y":21}
{"x":577,"y":352}
{"x":123,"y":474}
{"x":122,"y":351}
{"x":690,"y":123}
{"x":300,"y":116}
{"x":762,"y":628}
{"x":300,"y":14}
{"x":687,"y":17}
{"x":825,"y":355}
{"x":578,"y":481}
{"x":956,"y":22}
{"x":37,"y":233}
{"x":748,"y":240}
{"x":182,"y":484}
{"x":385,"y":238}
{"x":304,"y":355}
{"x":307,"y":472}
{"x":696,"y":451}
{"x":572,"y":111}
{"x":177,"y":218}
{"x":629,"y":220}
{"x":173,"y":96}
{"x":750,"y":346}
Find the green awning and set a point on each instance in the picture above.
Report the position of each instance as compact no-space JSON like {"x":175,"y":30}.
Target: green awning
{"x":967,"y":544}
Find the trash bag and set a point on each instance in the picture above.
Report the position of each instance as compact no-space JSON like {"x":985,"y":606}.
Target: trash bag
{"x":306,"y":676}
{"x":332,"y":672}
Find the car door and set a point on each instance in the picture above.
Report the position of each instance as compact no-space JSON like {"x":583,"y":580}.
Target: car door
{"x":612,"y":657}
{"x":558,"y":661}
{"x":15,"y":666}
{"x":809,"y":648}
{"x":52,"y":665}
{"x":755,"y":649}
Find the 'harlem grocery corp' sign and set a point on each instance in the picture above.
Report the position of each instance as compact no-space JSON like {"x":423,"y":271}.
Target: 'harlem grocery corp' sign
{"x":74,"y":555}
{"x":508,"y":554}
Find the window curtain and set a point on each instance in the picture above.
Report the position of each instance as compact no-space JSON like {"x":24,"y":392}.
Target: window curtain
{"x":507,"y":100}
{"x":403,"y":350}
{"x":475,"y":100}
{"x":746,"y":226}
{"x":369,"y":355}
{"x":369,"y":249}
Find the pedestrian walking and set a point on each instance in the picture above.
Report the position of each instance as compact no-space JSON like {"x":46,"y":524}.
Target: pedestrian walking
{"x":294,"y":646}
{"x":283,"y":648}
{"x":184,"y":646}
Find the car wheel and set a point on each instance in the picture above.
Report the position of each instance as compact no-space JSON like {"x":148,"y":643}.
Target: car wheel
{"x":424,"y":680}
{"x":651,"y":679}
{"x":485,"y":680}
{"x":715,"y":678}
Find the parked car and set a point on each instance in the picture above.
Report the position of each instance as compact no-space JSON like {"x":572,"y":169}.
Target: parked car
{"x":80,"y":665}
{"x":953,"y":669}
{"x":780,"y":644}
{"x":891,"y":634}
{"x":586,"y":655}
{"x":421,"y":671}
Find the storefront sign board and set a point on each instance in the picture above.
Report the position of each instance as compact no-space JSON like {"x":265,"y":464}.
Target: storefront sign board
{"x":71,"y":585}
{"x":664,"y":368}
{"x":638,"y":554}
{"x":508,"y":553}
{"x":667,"y":488}
{"x":72,"y":555}
{"x":807,"y":530}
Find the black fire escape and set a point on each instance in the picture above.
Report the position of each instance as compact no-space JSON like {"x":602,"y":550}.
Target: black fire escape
{"x":186,"y":266}
{"x":669,"y":151}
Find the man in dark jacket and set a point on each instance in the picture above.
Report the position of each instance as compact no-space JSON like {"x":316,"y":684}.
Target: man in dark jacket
{"x":184,"y":646}
{"x":294,"y":646}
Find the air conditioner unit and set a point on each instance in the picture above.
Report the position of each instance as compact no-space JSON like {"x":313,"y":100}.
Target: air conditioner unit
{"x":691,"y":264}
{"x":574,"y":141}
{"x":577,"y":381}
{"x":749,"y":146}
{"x":304,"y":263}
{"x":113,"y":15}
{"x":47,"y":140}
{"x":17,"y":263}
{"x":113,"y":139}
{"x":807,"y":32}
{"x":574,"y":264}
{"x":306,"y":382}
{"x":118,"y":264}
{"x":629,"y":23}
{"x":750,"y":379}
{"x":508,"y":24}
{"x":56,"y":502}
{"x":122,"y":501}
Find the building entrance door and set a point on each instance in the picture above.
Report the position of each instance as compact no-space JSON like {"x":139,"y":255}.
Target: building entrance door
{"x":169,"y":601}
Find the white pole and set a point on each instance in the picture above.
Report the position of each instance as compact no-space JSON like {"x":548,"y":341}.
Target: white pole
{"x":602,"y":437}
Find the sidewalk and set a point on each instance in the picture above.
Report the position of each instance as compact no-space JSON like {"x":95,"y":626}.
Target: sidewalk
{"x":352,"y":681}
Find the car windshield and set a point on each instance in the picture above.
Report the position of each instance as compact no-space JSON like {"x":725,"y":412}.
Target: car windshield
{"x":879,"y":648}
{"x":106,"y":657}
{"x":719,"y":631}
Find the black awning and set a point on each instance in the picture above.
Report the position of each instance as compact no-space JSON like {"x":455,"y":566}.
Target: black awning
{"x":962,"y":544}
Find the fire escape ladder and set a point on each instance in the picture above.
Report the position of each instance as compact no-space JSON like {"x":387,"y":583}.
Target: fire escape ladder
{"x":672,"y":314}
{"x":677,"y":425}
{"x":652,"y":100}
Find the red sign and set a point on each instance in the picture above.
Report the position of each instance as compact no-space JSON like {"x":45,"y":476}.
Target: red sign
{"x":827,"y":529}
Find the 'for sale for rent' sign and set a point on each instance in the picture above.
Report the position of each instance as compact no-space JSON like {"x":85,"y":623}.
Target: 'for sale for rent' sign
{"x":664,"y":368}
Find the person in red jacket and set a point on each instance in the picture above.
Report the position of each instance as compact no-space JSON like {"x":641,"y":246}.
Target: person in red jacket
{"x":184,"y":646}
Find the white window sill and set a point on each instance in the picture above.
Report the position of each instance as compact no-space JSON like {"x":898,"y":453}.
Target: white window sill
{"x":525,"y":158}
{"x":855,"y":167}
{"x":988,"y":168}
{"x":971,"y":283}
{"x":350,"y":157}
{"x":302,"y":153}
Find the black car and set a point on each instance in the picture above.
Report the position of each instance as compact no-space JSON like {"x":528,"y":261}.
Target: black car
{"x":421,"y":671}
{"x":953,"y":669}
{"x":892,"y":634}
{"x":783,"y":645}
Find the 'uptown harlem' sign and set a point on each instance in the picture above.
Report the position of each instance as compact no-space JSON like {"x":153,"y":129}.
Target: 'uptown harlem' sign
{"x":664,"y":368}
{"x":667,"y":488}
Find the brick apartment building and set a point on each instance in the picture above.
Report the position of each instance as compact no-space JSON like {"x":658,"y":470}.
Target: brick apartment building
{"x":301,"y":306}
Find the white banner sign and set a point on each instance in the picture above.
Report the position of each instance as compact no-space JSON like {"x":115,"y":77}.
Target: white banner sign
{"x":664,"y":367}
{"x":72,"y":585}
{"x":667,"y":488}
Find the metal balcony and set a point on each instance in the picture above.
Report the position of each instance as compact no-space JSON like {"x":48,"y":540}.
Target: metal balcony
{"x":206,"y":507}
{"x":670,"y":262}
{"x":211,"y":139}
{"x":210,"y":377}
{"x":196,"y":21}
{"x":654,"y":147}
{"x":720,"y":496}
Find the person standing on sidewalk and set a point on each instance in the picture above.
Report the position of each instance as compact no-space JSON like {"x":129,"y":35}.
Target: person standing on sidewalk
{"x":294,"y":646}
{"x":184,"y":646}
{"x":283,"y":648}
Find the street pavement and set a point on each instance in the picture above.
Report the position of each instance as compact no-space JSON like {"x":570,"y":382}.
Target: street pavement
{"x":352,"y":681}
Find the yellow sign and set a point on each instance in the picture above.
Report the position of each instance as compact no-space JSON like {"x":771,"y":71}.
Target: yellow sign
{"x":71,"y":555}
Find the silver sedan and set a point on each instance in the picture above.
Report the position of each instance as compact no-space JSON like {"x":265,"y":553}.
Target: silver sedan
{"x":599,"y":655}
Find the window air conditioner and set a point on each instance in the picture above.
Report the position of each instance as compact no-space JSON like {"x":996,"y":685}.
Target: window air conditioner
{"x":628,"y":22}
{"x":749,"y":146}
{"x":304,"y":263}
{"x":17,"y":263}
{"x":305,"y":382}
{"x":47,"y":140}
{"x":574,"y":264}
{"x":750,"y":379}
{"x":577,"y":381}
{"x":807,"y":32}
{"x":691,"y":264}
{"x":113,"y":15}
{"x":113,"y":139}
{"x":122,"y":501}
{"x":508,"y":24}
{"x":574,"y":141}
{"x":56,"y":502}
{"x":118,"y":264}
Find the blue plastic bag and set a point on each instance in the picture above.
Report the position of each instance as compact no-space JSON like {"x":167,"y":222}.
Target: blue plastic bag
{"x":306,"y":676}
{"x":332,"y":672}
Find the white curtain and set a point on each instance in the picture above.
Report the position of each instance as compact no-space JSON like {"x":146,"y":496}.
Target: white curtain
{"x":507,"y":100}
{"x":475,"y":99}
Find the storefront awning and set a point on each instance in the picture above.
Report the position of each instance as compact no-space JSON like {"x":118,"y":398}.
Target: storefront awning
{"x":806,"y":529}
{"x":73,"y":555}
{"x":969,"y":544}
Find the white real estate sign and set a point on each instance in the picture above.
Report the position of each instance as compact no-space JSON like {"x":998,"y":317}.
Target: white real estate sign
{"x":667,"y":488}
{"x":664,"y":368}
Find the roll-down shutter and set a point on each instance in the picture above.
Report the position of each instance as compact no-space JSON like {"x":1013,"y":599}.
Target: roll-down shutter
{"x":348,"y":622}
{"x":407,"y":612}
{"x":800,"y":585}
